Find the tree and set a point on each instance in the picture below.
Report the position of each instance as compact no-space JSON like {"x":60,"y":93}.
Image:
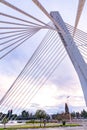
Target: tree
{"x":73,"y":114}
{"x":84,"y":114}
{"x":40,"y":114}
{"x":1,"y":115}
{"x":9,"y":114}
{"x":47,"y":117}
{"x":66,"y":108}
{"x":78,"y":115}
{"x":4,"y":121}
{"x":25,"y":114}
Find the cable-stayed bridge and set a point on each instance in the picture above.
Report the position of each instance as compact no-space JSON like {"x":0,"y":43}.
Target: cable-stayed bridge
{"x":57,"y":43}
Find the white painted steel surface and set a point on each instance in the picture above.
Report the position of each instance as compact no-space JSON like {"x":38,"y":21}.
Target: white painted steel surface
{"x":73,"y":52}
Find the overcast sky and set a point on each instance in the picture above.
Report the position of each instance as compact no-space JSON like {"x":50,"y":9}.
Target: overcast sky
{"x":64,"y":81}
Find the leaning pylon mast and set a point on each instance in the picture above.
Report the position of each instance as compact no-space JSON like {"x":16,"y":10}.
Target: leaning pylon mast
{"x":73,"y":52}
{"x":69,"y":44}
{"x":47,"y":14}
{"x":78,"y":15}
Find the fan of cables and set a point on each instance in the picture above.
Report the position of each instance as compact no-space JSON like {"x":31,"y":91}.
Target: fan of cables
{"x":49,"y":54}
{"x":47,"y":57}
{"x":80,"y":39}
{"x":14,"y":31}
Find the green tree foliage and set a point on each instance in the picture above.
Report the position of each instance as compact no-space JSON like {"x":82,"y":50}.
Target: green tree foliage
{"x":9,"y":114}
{"x":84,"y":114}
{"x":57,"y":117}
{"x":73,"y":114}
{"x":47,"y":117}
{"x":40,"y":114}
{"x":78,"y":115}
{"x":25,"y":114}
{"x":4,"y":121}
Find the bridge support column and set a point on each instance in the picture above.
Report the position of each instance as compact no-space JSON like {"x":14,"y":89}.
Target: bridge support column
{"x":73,"y":52}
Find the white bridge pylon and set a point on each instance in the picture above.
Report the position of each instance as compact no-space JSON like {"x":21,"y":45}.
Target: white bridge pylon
{"x":73,"y":52}
{"x":29,"y":28}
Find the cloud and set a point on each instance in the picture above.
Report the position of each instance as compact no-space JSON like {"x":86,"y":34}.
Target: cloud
{"x":5,"y":83}
{"x":63,"y":82}
{"x":51,"y":97}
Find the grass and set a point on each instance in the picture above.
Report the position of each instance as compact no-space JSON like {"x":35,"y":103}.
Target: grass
{"x":37,"y":125}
